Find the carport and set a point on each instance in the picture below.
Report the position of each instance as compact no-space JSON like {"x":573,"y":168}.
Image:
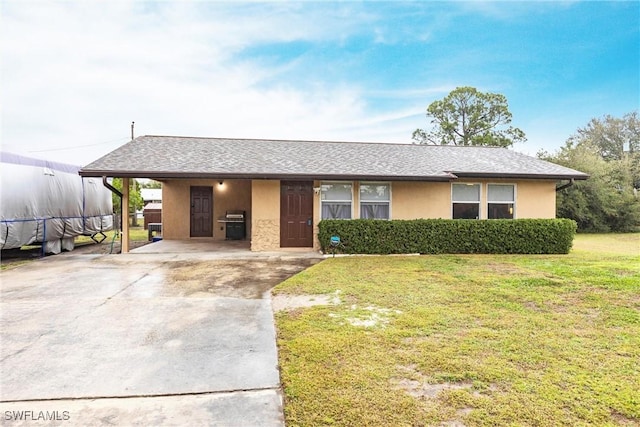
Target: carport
{"x":211,"y":193}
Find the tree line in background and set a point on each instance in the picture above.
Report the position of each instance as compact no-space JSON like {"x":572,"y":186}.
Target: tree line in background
{"x":608,"y":149}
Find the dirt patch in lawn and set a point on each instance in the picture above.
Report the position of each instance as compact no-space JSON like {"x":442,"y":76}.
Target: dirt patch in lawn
{"x":370,"y":316}
{"x":622,"y":420}
{"x":419,"y":387}
{"x":503,"y":268}
{"x":284,"y":302}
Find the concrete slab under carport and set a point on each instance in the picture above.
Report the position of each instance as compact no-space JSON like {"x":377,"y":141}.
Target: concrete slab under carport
{"x":222,"y":249}
{"x":226,"y":248}
{"x":80,"y":331}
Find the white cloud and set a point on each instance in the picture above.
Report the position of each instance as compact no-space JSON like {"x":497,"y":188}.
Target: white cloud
{"x":77,"y":73}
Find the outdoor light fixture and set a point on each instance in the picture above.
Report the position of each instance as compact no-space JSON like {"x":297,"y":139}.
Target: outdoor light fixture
{"x":220,"y":183}
{"x":316,"y":190}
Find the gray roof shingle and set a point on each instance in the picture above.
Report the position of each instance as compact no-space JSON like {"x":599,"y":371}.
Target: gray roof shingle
{"x":188,"y":157}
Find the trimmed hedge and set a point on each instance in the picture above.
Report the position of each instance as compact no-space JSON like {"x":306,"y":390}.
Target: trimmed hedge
{"x":449,"y":236}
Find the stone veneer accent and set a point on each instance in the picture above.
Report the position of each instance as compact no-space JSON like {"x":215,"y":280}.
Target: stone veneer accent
{"x":265,"y":235}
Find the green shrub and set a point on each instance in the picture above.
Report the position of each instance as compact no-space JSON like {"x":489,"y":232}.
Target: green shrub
{"x":449,"y":236}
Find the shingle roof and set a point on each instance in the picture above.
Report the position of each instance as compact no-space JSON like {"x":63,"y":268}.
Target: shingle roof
{"x":187,"y":157}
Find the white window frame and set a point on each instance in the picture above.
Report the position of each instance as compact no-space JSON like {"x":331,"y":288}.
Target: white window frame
{"x":515,"y":197}
{"x":374,"y":201}
{"x":336,"y":201}
{"x":479,"y":202}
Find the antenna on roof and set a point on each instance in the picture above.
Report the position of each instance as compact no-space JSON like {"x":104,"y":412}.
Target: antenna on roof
{"x":132,"y":124}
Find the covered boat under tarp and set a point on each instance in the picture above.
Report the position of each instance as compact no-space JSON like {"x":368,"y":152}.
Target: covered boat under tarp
{"x":48,"y":203}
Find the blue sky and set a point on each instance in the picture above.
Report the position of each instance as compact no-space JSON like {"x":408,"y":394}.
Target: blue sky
{"x":75,"y":74}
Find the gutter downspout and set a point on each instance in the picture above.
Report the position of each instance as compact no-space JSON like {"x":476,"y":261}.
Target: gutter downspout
{"x":119,"y":194}
{"x":567,"y":185}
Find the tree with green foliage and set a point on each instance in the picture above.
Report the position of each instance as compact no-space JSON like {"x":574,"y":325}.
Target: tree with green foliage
{"x":608,"y":150}
{"x":135,"y":198}
{"x":469,"y":117}
{"x":151,"y":184}
{"x":615,"y":139}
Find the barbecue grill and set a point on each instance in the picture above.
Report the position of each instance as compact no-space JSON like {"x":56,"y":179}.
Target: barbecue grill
{"x":235,"y":224}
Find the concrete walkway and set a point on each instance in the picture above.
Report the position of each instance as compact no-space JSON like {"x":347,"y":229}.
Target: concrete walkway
{"x":142,"y":339}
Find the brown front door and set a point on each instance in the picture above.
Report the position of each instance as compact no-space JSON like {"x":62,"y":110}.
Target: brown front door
{"x":296,"y":214}
{"x":201,"y":212}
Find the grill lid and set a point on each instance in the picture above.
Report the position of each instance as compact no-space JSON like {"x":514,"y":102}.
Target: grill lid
{"x":235,"y":215}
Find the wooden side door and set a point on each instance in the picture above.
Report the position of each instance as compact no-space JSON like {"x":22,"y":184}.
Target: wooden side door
{"x":201,"y":212}
{"x":296,"y":214}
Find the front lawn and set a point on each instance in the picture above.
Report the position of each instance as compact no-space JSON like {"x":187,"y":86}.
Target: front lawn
{"x":467,"y":340}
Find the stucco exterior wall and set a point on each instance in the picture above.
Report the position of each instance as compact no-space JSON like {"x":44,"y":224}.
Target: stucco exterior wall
{"x":265,"y":220}
{"x":536,"y":199}
{"x":414,"y":200}
{"x":261,"y":201}
{"x":411,"y":200}
{"x":176,"y":209}
{"x":176,"y":205}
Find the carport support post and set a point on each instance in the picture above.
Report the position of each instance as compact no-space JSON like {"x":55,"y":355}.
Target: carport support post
{"x":125,"y":216}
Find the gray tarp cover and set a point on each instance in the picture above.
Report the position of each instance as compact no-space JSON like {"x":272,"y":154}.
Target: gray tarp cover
{"x":49,"y":203}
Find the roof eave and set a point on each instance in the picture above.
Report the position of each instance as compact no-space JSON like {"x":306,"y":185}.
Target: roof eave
{"x":482,"y":175}
{"x":450,"y":176}
{"x":220,"y":175}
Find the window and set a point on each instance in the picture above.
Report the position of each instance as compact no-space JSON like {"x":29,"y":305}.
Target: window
{"x":500,"y":201}
{"x":335,"y":200}
{"x":375,"y":200}
{"x":465,"y":199}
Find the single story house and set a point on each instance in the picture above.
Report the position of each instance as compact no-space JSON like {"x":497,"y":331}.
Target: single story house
{"x":284,"y":188}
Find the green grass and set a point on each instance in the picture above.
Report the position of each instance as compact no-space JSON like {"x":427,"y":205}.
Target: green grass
{"x":136,"y":234}
{"x":608,"y":243}
{"x":514,"y":340}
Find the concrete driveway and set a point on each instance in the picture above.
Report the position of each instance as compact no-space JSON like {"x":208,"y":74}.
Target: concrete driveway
{"x":142,"y":339}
